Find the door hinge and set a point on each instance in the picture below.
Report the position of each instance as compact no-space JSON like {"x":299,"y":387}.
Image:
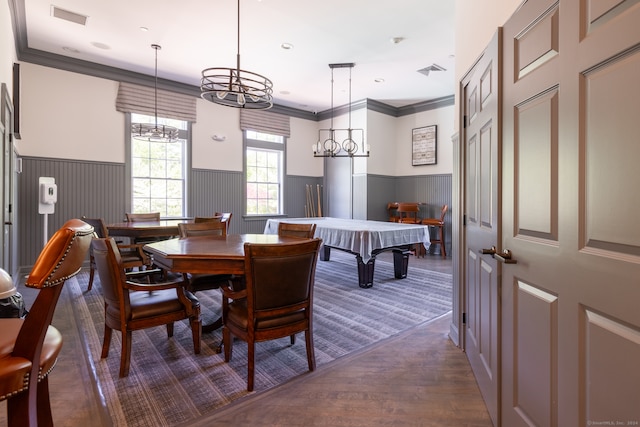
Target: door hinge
{"x":464,"y":220}
{"x":464,"y":318}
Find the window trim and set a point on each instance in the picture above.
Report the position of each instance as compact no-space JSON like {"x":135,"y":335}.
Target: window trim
{"x":182,"y":134}
{"x":267,"y":145}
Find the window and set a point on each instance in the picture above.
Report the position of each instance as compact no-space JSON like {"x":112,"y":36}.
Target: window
{"x":264,"y":158}
{"x":158,"y":171}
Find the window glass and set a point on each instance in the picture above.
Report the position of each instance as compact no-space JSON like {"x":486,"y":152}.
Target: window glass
{"x":264,"y":157}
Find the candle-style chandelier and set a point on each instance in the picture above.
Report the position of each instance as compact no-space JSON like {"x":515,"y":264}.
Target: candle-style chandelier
{"x":234,"y":87}
{"x":153,"y":132}
{"x":341,"y":142}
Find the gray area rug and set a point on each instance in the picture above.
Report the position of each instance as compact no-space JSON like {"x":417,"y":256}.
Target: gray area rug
{"x":168,"y":384}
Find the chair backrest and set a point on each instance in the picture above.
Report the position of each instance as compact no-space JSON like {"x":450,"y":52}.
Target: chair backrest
{"x":60,"y":259}
{"x":211,"y":228}
{"x":111,"y":272}
{"x":408,"y":212}
{"x":141,"y":217}
{"x":99,"y":227}
{"x":443,"y":212}
{"x":226,"y":218}
{"x":207,"y":219}
{"x":306,"y":231}
{"x":280,"y":278}
{"x":392,"y":209}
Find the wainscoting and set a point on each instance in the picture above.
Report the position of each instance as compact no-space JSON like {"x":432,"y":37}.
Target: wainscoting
{"x":98,"y":189}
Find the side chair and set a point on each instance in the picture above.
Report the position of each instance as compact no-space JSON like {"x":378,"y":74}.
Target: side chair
{"x":277,"y":301}
{"x":132,"y":255}
{"x":305,"y":231}
{"x":439,"y":224}
{"x":131,"y":306}
{"x":29,"y":347}
{"x":226,"y":218}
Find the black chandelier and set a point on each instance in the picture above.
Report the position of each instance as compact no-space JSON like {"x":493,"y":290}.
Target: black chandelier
{"x":235,"y":87}
{"x":341,"y":142}
{"x":153,"y":132}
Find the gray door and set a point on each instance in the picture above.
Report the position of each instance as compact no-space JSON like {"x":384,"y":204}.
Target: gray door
{"x":570,"y":317}
{"x":482,"y":213}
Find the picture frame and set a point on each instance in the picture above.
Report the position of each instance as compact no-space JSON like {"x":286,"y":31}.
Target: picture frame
{"x":424,"y":145}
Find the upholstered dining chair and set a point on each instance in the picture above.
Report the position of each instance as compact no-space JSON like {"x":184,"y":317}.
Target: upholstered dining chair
{"x":205,"y":282}
{"x":277,"y":301}
{"x":132,"y":255}
{"x":29,"y":347}
{"x":216,"y":218}
{"x":131,"y":306}
{"x":142,"y":217}
{"x":439,"y":224}
{"x":306,"y":231}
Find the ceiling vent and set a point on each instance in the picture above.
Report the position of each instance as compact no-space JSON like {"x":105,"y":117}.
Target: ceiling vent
{"x":430,"y":68}
{"x":56,"y":12}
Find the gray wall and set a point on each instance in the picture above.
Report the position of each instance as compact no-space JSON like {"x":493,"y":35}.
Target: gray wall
{"x":97,"y":189}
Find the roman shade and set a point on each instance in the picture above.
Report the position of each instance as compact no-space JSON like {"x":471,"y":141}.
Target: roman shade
{"x":265,"y":121}
{"x":140,"y":99}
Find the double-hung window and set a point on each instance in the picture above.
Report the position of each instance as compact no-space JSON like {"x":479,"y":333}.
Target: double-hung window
{"x":264,"y":172}
{"x":159,"y":171}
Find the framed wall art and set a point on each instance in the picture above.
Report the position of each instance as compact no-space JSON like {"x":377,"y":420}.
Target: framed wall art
{"x":424,"y":146}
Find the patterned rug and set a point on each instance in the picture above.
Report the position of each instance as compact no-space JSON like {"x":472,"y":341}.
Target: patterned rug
{"x":168,"y":384}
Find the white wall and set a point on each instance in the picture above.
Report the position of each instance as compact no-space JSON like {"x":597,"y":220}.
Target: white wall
{"x":212,"y":119}
{"x":7,"y":47}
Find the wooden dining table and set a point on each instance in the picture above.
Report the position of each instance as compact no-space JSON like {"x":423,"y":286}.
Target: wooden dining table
{"x":207,"y":255}
{"x":146,"y":229}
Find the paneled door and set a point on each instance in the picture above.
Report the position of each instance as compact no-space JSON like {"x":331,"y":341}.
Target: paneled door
{"x":570,"y":317}
{"x":482,"y":214}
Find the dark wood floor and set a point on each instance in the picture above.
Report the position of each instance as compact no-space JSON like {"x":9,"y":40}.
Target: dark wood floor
{"x":418,"y":378}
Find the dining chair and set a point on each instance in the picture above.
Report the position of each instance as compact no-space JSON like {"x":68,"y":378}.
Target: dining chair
{"x":202,"y":281}
{"x":439,"y":224}
{"x":392,"y":210}
{"x":216,"y":218}
{"x":29,"y":347}
{"x":408,"y":213}
{"x":132,"y":255}
{"x":142,"y":217}
{"x":226,"y":218}
{"x":277,"y":301}
{"x":133,"y":305}
{"x":306,"y":231}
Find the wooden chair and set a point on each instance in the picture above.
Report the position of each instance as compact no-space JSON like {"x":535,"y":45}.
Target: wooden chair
{"x":408,"y":213}
{"x":277,"y":301}
{"x":132,"y":255}
{"x":142,"y":217}
{"x":392,"y":209}
{"x":131,"y":306}
{"x":199,"y":219}
{"x":439,"y":223}
{"x":205,"y":282}
{"x":305,"y":231}
{"x":29,"y":347}
{"x":226,"y":218}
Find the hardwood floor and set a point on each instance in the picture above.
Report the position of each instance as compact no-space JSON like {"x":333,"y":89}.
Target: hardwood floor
{"x":417,"y":378}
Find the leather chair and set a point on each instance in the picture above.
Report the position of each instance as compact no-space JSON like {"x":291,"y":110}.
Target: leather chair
{"x":29,"y":347}
{"x":131,"y":306}
{"x":439,"y":224}
{"x":199,"y":219}
{"x":305,"y":231}
{"x":205,"y":282}
{"x":142,"y":217}
{"x":277,"y":301}
{"x":132,"y":255}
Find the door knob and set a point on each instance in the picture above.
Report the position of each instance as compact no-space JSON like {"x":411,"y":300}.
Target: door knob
{"x":489,"y":251}
{"x":505,"y":256}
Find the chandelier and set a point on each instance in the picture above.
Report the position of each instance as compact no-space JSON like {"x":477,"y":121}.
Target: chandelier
{"x":235,"y":87}
{"x":341,"y":142}
{"x":153,"y":132}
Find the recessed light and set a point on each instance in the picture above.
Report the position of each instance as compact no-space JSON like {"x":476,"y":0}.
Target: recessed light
{"x":145,"y":29}
{"x":286,"y":46}
{"x":379,"y":80}
{"x":101,"y":45}
{"x":70,"y":49}
{"x":396,"y":40}
{"x":285,"y":92}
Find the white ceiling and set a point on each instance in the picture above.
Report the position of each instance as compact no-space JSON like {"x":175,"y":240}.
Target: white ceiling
{"x":198,"y":34}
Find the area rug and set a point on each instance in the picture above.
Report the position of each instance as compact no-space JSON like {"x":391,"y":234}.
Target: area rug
{"x":168,"y":384}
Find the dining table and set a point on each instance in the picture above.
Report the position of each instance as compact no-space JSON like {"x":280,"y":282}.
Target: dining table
{"x":164,"y":228}
{"x":208,"y":255}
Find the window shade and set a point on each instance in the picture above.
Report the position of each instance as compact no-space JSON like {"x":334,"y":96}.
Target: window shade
{"x":265,"y":121}
{"x":141,"y":99}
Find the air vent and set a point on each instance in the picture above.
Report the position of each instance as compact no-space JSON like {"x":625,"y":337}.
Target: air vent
{"x":430,"y":68}
{"x":56,"y":12}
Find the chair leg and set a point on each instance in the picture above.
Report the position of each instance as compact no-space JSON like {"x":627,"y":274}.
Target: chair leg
{"x":170,"y":329}
{"x":106,"y":342}
{"x":251,"y":349}
{"x":196,"y":333}
{"x":125,"y":357}
{"x":311,"y":356}
{"x":92,"y":271}
{"x":443,"y":250}
{"x":227,"y":341}
{"x":293,"y":339}
{"x":45,"y":418}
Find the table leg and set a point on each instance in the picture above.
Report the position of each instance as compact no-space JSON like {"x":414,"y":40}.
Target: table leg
{"x":401,"y":262}
{"x":365,"y":272}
